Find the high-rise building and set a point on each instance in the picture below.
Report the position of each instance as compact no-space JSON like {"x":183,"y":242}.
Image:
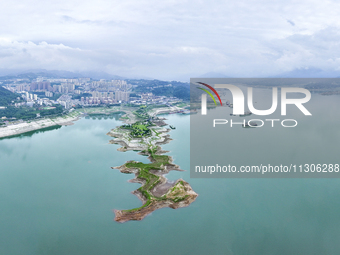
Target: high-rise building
{"x":122,"y":96}
{"x":48,"y":94}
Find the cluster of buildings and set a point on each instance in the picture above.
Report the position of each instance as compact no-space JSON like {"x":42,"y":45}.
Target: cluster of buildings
{"x":32,"y":99}
{"x":81,"y":91}
{"x":41,"y":91}
{"x":149,"y":98}
{"x":45,"y":86}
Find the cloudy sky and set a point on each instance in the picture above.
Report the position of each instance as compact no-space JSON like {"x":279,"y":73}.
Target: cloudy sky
{"x":171,"y":39}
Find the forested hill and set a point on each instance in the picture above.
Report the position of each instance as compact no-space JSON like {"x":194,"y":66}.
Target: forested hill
{"x":6,"y":96}
{"x":162,"y":88}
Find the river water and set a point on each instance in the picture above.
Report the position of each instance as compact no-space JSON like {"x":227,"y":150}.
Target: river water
{"x":57,"y":192}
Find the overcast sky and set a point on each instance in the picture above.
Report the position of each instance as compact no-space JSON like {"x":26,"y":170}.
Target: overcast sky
{"x":171,"y":40}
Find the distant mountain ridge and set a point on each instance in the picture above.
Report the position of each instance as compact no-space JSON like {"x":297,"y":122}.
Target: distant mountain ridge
{"x":213,"y":75}
{"x":32,"y":74}
{"x":308,"y":72}
{"x":311,"y":72}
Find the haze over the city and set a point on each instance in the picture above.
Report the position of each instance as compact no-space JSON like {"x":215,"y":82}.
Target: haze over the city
{"x":172,"y":40}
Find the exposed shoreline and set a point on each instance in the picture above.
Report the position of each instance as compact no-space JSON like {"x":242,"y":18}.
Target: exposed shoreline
{"x":34,"y":125}
{"x":25,"y":127}
{"x":156,"y":191}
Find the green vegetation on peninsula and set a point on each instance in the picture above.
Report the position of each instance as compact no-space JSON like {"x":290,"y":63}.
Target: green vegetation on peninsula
{"x":151,"y":180}
{"x":156,"y":191}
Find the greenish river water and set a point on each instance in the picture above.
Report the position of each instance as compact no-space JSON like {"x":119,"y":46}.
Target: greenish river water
{"x":57,"y":192}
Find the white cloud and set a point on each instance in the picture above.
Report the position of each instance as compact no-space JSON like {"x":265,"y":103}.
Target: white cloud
{"x":170,"y":39}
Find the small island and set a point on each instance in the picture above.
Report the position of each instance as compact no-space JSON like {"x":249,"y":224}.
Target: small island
{"x":145,"y":133}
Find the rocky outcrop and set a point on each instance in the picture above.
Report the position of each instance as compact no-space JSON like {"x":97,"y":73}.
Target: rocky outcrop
{"x":141,"y":213}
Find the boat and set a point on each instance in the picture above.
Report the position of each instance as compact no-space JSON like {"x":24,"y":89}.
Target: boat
{"x":245,"y":114}
{"x":242,"y":115}
{"x":252,"y":125}
{"x":172,"y":127}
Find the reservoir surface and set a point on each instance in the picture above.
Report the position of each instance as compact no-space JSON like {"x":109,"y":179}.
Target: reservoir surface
{"x":57,"y":193}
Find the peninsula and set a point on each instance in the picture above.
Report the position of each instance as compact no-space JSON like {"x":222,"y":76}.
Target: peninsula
{"x":145,"y":134}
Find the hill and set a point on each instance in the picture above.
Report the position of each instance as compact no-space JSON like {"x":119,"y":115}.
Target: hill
{"x":6,"y":96}
{"x":162,"y":88}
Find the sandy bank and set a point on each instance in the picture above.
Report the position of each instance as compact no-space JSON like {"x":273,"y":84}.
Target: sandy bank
{"x":25,"y":127}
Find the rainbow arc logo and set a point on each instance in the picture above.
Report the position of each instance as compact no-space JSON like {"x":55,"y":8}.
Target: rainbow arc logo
{"x":209,"y":93}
